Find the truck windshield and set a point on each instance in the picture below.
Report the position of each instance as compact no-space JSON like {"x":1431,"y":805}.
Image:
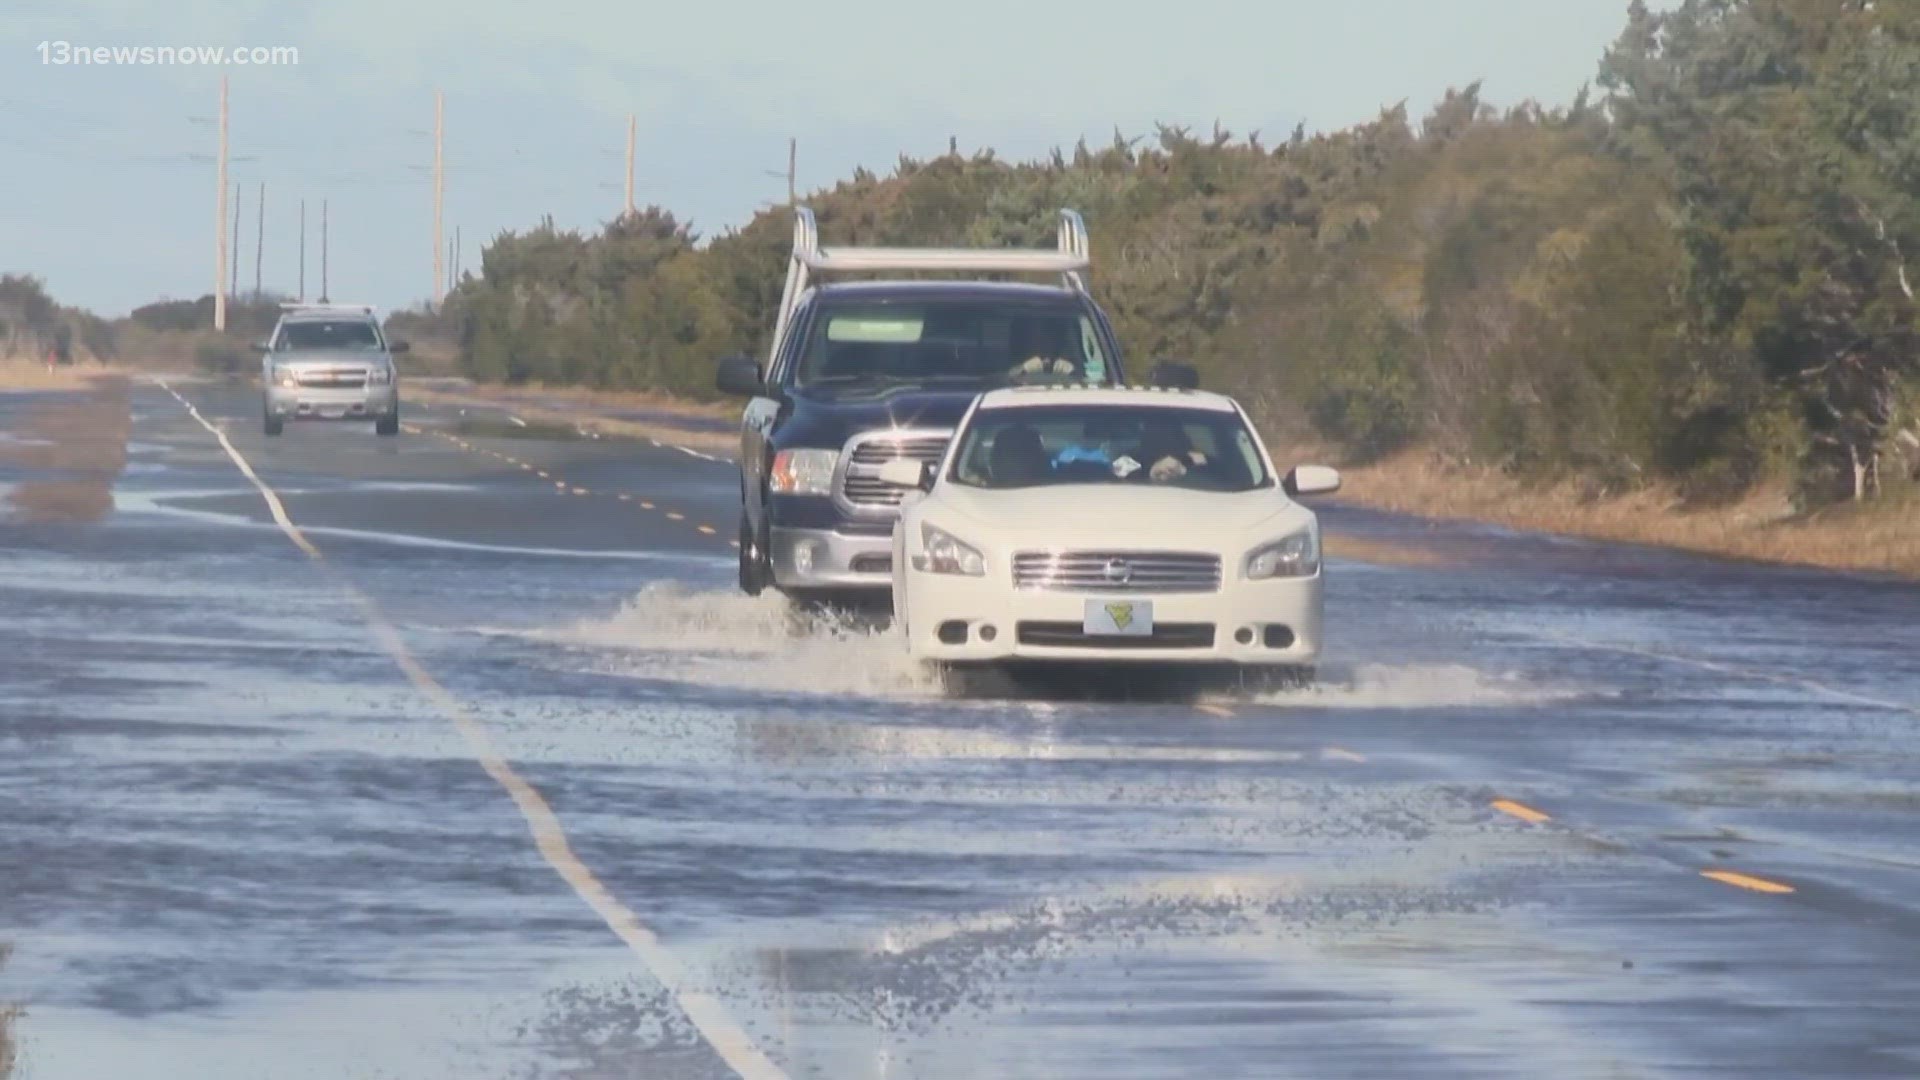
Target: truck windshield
{"x":965,"y":343}
{"x":1039,"y":445}
{"x":330,"y":334}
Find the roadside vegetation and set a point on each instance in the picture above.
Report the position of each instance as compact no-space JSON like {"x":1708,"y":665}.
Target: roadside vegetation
{"x":1690,"y":290}
{"x":8,"y":1014}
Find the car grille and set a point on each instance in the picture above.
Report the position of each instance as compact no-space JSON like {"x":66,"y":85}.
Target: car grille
{"x":1070,"y":635}
{"x":1117,"y":571}
{"x":860,"y":483}
{"x":333,"y":378}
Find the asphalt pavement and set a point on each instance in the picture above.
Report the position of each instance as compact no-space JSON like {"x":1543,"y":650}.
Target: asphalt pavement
{"x":457,"y":755}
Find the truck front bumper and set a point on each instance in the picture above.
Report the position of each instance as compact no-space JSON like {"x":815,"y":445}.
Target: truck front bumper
{"x":827,"y":559}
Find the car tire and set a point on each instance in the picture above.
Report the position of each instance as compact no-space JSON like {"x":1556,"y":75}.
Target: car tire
{"x":388,"y":425}
{"x":271,"y":426}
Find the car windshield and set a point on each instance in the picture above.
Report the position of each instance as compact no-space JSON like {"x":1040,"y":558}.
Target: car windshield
{"x":979,"y":343}
{"x":329,"y":334}
{"x":1033,"y":446}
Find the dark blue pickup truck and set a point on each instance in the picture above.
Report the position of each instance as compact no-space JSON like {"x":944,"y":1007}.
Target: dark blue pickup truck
{"x":863,"y":372}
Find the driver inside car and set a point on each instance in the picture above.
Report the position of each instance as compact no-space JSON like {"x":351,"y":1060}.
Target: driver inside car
{"x":1172,"y":454}
{"x":1050,"y":357}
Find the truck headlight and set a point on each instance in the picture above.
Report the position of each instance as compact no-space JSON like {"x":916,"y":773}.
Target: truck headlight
{"x":284,"y":376}
{"x":380,"y":376}
{"x":1295,"y":556}
{"x":803,"y":472}
{"x":945,"y":553}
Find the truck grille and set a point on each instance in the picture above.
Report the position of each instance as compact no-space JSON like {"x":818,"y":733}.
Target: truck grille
{"x":860,"y":483}
{"x":1117,"y":571}
{"x":333,"y":378}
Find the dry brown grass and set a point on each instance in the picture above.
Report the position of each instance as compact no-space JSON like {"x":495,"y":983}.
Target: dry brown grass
{"x":8,"y":1014}
{"x":1882,"y":537}
{"x":21,"y":373}
{"x":83,"y":441}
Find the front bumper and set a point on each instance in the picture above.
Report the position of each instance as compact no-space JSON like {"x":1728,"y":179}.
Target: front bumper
{"x":318,"y":403}
{"x":1040,"y":624}
{"x":827,"y":559}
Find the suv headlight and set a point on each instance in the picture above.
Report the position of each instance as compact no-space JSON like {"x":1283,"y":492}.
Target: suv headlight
{"x":1295,"y":556}
{"x":284,"y":376}
{"x":945,"y":553}
{"x":379,"y":376}
{"x":803,"y":472}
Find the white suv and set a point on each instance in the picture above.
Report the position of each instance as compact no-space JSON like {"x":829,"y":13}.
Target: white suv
{"x":330,"y":362}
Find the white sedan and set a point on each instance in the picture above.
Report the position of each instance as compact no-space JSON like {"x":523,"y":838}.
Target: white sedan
{"x":1108,"y":524}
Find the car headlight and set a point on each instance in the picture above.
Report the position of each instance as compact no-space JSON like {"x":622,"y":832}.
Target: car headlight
{"x":285,"y":376}
{"x":945,"y":553}
{"x":1295,"y":556}
{"x":803,"y":472}
{"x":379,"y":376}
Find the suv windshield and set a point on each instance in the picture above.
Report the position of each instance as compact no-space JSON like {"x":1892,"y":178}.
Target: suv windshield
{"x":976,"y":343}
{"x":1033,"y":446}
{"x":329,"y":334}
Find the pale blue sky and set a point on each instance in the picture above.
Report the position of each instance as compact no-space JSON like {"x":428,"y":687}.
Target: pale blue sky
{"x":108,"y":183}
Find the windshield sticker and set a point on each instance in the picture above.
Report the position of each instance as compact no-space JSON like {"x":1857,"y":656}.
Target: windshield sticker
{"x":1125,"y":467}
{"x":862,"y":328}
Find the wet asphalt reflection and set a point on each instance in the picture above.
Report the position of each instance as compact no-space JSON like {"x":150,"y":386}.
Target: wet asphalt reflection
{"x":1555,"y":807}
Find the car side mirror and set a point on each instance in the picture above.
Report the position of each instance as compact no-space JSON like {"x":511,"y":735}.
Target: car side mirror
{"x":739,"y":376}
{"x":399,"y":346}
{"x":1172,"y":376}
{"x":1311,"y":480}
{"x":907,"y":473}
{"x":263,"y":346}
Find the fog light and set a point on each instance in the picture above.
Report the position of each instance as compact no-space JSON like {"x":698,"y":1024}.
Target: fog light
{"x":1279,"y":637}
{"x":952,"y":632}
{"x":1244,"y":635}
{"x":988,"y":633}
{"x":803,"y":557}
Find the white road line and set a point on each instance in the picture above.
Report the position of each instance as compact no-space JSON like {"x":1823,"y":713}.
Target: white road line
{"x":516,"y":420}
{"x":701,"y":456}
{"x":721,"y":1031}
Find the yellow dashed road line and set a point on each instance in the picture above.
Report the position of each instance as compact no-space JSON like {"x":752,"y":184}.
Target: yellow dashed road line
{"x":1525,"y":813}
{"x":1745,"y":881}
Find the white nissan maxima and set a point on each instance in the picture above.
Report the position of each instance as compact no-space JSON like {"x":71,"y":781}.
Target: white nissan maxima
{"x":1142,"y":525}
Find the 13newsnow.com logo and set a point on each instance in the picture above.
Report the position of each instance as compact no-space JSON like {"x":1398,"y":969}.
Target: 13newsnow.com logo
{"x":67,"y":54}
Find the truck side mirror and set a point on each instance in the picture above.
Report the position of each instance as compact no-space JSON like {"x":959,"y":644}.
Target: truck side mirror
{"x":739,"y":376}
{"x":398,"y":346}
{"x":1173,"y":376}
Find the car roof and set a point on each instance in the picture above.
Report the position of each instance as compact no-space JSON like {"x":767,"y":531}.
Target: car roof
{"x":319,"y":313}
{"x":1016,"y":397}
{"x":945,"y":290}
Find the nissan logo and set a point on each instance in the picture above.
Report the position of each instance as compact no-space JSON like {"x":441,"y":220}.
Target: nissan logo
{"x":1119,"y":571}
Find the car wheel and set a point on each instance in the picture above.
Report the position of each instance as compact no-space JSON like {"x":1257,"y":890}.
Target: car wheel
{"x":389,"y":424}
{"x":272,"y":425}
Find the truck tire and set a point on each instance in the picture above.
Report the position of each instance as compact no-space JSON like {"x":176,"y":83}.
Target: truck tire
{"x":753,"y":575}
{"x":271,"y":425}
{"x":388,"y":425}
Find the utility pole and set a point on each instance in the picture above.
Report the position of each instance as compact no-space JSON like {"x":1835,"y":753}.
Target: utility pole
{"x":220,"y":223}
{"x":793,"y":157}
{"x":234,"y":284}
{"x":629,"y":210}
{"x":439,"y":134}
{"x":260,"y":239}
{"x":323,"y":251}
{"x":456,"y":256}
{"x":303,"y":249}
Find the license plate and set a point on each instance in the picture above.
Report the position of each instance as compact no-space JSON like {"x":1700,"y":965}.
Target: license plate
{"x":1119,"y":618}
{"x":332,"y":412}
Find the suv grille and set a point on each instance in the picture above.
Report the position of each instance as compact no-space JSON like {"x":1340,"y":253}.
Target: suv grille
{"x":1117,"y":571}
{"x":333,"y":377}
{"x":860,"y":482}
{"x":1065,"y":635}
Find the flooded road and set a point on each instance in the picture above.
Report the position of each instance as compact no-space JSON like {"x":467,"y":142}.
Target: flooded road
{"x":474,"y":765}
